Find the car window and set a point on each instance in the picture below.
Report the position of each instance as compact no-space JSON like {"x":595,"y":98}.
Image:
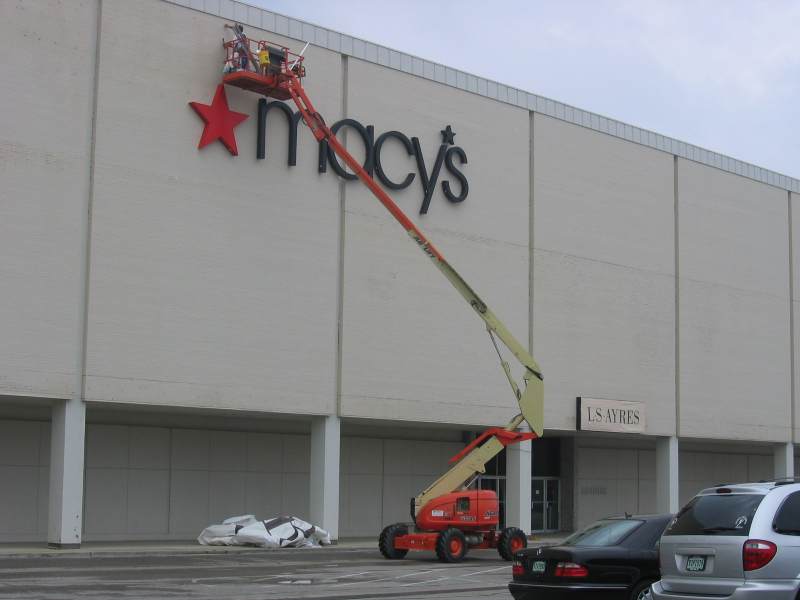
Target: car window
{"x":787,"y":520}
{"x":659,"y":532}
{"x":717,"y":514}
{"x":608,"y":532}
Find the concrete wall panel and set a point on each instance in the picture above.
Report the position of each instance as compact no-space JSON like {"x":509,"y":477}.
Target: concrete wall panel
{"x":188,"y":502}
{"x":361,"y":486}
{"x":24,"y":471}
{"x":106,"y":501}
{"x":604,"y":331}
{"x":264,"y":452}
{"x":149,"y":448}
{"x":604,"y":299}
{"x":226,"y":495}
{"x":161,"y":483}
{"x":264,"y":493}
{"x":295,"y":495}
{"x":148,"y":502}
{"x":19,"y":508}
{"x":207,"y":270}
{"x":110,"y":445}
{"x":45,"y":140}
{"x":20,"y":442}
{"x":612,"y":481}
{"x":699,"y":470}
{"x":734,"y":307}
{"x":412,"y":348}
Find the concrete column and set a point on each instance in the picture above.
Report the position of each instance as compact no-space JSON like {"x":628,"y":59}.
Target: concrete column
{"x":324,"y":488}
{"x":667,"y":481}
{"x":784,"y":460}
{"x":518,"y":485}
{"x":68,"y":429}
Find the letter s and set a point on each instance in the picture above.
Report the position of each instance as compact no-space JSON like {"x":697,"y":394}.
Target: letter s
{"x":448,"y":161}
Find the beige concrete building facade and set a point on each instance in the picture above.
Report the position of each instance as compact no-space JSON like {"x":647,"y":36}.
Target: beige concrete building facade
{"x":190,"y":335}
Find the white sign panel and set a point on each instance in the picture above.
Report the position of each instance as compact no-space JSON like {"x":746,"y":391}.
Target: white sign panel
{"x":598,"y":414}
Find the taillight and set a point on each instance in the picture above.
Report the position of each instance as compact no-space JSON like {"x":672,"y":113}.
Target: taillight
{"x":757,"y":553}
{"x":571,"y":569}
{"x":517,"y":568}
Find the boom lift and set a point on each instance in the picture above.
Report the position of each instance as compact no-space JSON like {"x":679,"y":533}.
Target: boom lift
{"x":448,"y":517}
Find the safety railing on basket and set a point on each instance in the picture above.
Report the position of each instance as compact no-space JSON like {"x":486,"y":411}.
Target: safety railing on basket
{"x":259,"y":56}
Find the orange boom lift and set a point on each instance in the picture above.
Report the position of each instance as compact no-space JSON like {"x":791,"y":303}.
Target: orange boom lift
{"x":448,"y":517}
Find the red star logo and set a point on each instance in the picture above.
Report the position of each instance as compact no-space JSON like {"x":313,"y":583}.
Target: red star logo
{"x":220,"y":121}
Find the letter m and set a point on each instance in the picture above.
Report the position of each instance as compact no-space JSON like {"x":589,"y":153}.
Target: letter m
{"x":292,"y":119}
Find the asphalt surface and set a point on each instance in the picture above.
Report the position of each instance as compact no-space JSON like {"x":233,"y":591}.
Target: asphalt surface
{"x":322,"y":574}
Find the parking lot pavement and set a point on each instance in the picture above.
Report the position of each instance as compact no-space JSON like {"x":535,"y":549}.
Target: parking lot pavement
{"x":322,"y":574}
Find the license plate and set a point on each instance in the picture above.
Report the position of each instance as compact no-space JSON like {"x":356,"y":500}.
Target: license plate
{"x":538,"y":566}
{"x":696,"y":563}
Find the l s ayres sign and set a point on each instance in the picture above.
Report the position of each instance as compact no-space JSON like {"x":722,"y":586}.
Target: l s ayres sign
{"x":620,"y":416}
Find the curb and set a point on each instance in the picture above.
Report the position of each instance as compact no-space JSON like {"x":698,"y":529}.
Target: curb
{"x":167,"y":552}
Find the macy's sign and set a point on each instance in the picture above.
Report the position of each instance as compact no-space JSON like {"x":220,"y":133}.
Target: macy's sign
{"x":220,"y":122}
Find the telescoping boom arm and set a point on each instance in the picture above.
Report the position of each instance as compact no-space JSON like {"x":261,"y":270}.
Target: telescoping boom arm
{"x":473,"y":459}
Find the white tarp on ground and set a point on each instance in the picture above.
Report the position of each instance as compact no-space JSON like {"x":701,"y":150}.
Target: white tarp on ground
{"x":277,"y":532}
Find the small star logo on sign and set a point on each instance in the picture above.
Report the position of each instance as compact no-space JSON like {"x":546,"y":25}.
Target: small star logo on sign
{"x":220,"y":121}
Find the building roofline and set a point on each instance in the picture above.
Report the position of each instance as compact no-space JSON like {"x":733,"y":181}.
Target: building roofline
{"x":408,"y":63}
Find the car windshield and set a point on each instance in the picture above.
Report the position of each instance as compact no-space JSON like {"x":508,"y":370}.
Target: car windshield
{"x":607,"y":532}
{"x":717,"y":514}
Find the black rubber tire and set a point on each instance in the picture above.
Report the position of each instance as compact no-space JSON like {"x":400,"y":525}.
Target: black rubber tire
{"x":504,"y":542}
{"x":639,"y":588}
{"x":444,"y":548}
{"x":386,"y":541}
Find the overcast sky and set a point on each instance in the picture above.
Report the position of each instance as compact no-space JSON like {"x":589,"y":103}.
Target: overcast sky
{"x":721,"y":74}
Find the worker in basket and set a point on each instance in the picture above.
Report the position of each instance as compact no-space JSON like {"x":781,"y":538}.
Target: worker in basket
{"x":263,"y":60}
{"x":240,"y":48}
{"x":231,"y":65}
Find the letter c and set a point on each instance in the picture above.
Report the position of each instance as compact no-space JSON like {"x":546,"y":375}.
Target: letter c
{"x":403,"y":139}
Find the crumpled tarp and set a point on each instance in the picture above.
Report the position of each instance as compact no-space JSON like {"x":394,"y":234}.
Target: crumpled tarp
{"x":277,"y":532}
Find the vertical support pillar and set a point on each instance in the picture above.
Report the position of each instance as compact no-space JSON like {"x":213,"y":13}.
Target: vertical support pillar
{"x":667,"y":480}
{"x":518,"y":485}
{"x":67,"y":432}
{"x":784,"y":460}
{"x":68,"y":417}
{"x":324,"y":487}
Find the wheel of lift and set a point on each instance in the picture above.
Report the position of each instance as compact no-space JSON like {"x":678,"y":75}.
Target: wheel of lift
{"x":451,"y":545}
{"x":386,"y":541}
{"x":511,"y":541}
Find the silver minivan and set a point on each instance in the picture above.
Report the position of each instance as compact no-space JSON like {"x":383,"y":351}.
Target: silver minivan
{"x":739,"y":540}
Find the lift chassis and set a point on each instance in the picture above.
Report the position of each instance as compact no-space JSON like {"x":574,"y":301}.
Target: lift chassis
{"x":447,"y":517}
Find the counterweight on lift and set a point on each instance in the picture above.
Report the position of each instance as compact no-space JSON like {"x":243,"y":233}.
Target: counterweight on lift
{"x":449,"y":518}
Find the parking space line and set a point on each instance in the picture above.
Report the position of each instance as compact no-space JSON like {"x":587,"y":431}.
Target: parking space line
{"x":260,"y":579}
{"x":387,"y":578}
{"x":352,"y":575}
{"x":486,"y":571}
{"x":367,"y":581}
{"x":422,"y":582}
{"x":416,"y":573}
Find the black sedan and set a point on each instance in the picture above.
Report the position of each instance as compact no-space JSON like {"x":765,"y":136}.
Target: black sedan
{"x":612,"y":559}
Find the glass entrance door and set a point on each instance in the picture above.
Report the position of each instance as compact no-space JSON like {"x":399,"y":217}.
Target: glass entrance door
{"x":545,"y":504}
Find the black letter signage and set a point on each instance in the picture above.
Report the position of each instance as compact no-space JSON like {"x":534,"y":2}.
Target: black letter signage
{"x":449,"y":155}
